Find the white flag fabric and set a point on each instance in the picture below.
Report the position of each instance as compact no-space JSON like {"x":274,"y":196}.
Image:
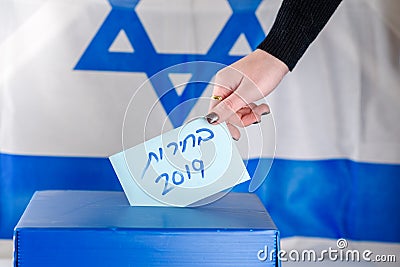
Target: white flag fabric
{"x":68,"y":70}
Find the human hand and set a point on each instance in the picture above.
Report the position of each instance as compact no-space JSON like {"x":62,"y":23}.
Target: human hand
{"x":240,"y":85}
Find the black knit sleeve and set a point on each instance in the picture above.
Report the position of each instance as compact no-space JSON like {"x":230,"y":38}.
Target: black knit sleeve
{"x":296,"y":26}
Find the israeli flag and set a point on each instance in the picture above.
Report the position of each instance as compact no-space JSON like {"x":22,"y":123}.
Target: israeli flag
{"x":68,"y":70}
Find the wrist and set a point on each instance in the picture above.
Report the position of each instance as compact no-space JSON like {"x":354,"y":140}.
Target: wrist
{"x":272,"y":61}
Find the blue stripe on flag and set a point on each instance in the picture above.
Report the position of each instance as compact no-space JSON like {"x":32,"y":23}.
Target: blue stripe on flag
{"x":21,"y":176}
{"x":332,"y":198}
{"x":323,"y":198}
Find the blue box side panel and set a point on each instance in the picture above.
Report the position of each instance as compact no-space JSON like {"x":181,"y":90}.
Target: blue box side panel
{"x":91,"y":247}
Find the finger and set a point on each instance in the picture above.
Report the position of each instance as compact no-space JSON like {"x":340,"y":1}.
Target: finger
{"x":221,"y":91}
{"x":225,"y":109}
{"x":246,"y":118}
{"x":234,"y":131}
{"x":262,"y":109}
{"x":242,"y":112}
{"x":226,"y":81}
{"x":247,"y":109}
{"x":249,"y":119}
{"x":249,"y":115}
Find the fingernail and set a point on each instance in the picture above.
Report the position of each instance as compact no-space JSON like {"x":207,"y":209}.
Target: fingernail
{"x":235,"y":139}
{"x":257,"y":122}
{"x":265,"y":113}
{"x":212,"y":117}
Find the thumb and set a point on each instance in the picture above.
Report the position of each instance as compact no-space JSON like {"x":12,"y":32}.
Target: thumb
{"x":225,"y":109}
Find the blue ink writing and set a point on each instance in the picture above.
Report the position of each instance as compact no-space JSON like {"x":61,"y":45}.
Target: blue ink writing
{"x":196,"y":166}
{"x":178,"y":178}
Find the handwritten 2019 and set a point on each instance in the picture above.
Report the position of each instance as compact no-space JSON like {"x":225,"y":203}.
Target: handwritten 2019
{"x":177,"y":177}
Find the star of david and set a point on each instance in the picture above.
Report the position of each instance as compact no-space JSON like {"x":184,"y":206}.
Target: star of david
{"x":145,"y":58}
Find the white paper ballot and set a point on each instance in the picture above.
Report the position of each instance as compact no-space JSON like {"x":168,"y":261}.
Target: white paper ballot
{"x":180,"y":167}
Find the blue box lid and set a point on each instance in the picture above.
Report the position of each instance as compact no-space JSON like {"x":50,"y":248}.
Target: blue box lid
{"x":101,"y":209}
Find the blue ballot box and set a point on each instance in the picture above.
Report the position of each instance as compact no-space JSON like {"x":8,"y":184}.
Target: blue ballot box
{"x":94,"y":228}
